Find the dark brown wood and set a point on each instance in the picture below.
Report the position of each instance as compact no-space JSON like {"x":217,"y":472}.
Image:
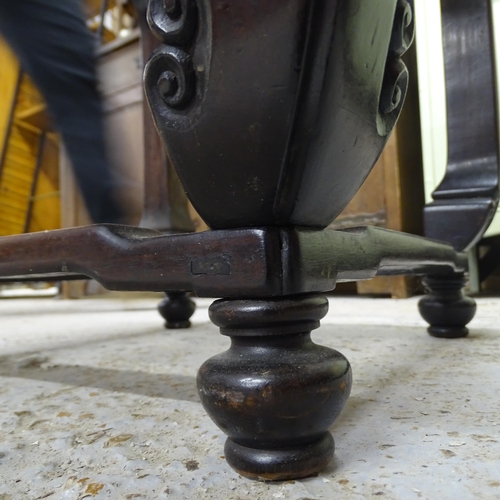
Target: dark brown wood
{"x":466,"y":200}
{"x":257,"y":262}
{"x":275,"y":393}
{"x":125,"y":258}
{"x":327,"y":70}
{"x":445,"y":307}
{"x":176,"y":308}
{"x":392,"y":197}
{"x":165,"y":203}
{"x":400,"y":184}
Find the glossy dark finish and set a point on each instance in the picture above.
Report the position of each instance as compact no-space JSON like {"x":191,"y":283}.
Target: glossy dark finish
{"x":274,"y":392}
{"x":329,"y":71}
{"x":126,"y":258}
{"x":259,"y":262}
{"x":173,"y":21}
{"x":295,"y":462}
{"x":176,"y":308}
{"x":445,"y":307}
{"x":466,"y":200}
{"x":165,"y":205}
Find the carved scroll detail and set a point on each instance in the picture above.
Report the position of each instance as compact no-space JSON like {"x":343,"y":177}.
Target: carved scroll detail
{"x":396,"y":74}
{"x":175,"y":80}
{"x":170,"y":71}
{"x":172,"y":21}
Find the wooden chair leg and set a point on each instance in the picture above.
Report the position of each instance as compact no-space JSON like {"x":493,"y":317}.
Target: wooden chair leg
{"x":445,"y":307}
{"x":274,"y":393}
{"x":176,"y":308}
{"x":465,"y":201}
{"x":467,"y":197}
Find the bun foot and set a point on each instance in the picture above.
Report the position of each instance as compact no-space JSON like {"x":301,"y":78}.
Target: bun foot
{"x":445,"y":307}
{"x":280,"y":464}
{"x":176,"y":308}
{"x":275,"y":392}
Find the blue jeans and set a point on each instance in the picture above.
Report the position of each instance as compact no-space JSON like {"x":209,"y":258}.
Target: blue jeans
{"x":57,"y":50}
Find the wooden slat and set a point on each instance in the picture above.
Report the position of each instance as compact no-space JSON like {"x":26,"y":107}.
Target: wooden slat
{"x":37,"y":116}
{"x":17,"y":170}
{"x":19,"y":161}
{"x":9,"y":71}
{"x":45,"y":210}
{"x":13,"y":208}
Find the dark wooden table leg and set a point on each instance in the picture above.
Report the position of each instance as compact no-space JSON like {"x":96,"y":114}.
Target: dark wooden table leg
{"x":273,"y":114}
{"x":274,"y":393}
{"x":165,"y":203}
{"x":176,"y":308}
{"x":466,"y":200}
{"x":445,"y":307}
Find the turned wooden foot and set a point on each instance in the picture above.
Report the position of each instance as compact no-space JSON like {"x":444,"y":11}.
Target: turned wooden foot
{"x":176,"y":308}
{"x":274,"y":393}
{"x":445,"y":307}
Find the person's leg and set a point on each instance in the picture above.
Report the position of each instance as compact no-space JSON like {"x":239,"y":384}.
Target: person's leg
{"x":56,"y":49}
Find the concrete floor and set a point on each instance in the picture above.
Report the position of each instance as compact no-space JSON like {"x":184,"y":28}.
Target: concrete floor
{"x":97,"y":400}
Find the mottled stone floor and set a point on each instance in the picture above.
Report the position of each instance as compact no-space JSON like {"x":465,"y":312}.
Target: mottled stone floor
{"x":97,"y":400}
